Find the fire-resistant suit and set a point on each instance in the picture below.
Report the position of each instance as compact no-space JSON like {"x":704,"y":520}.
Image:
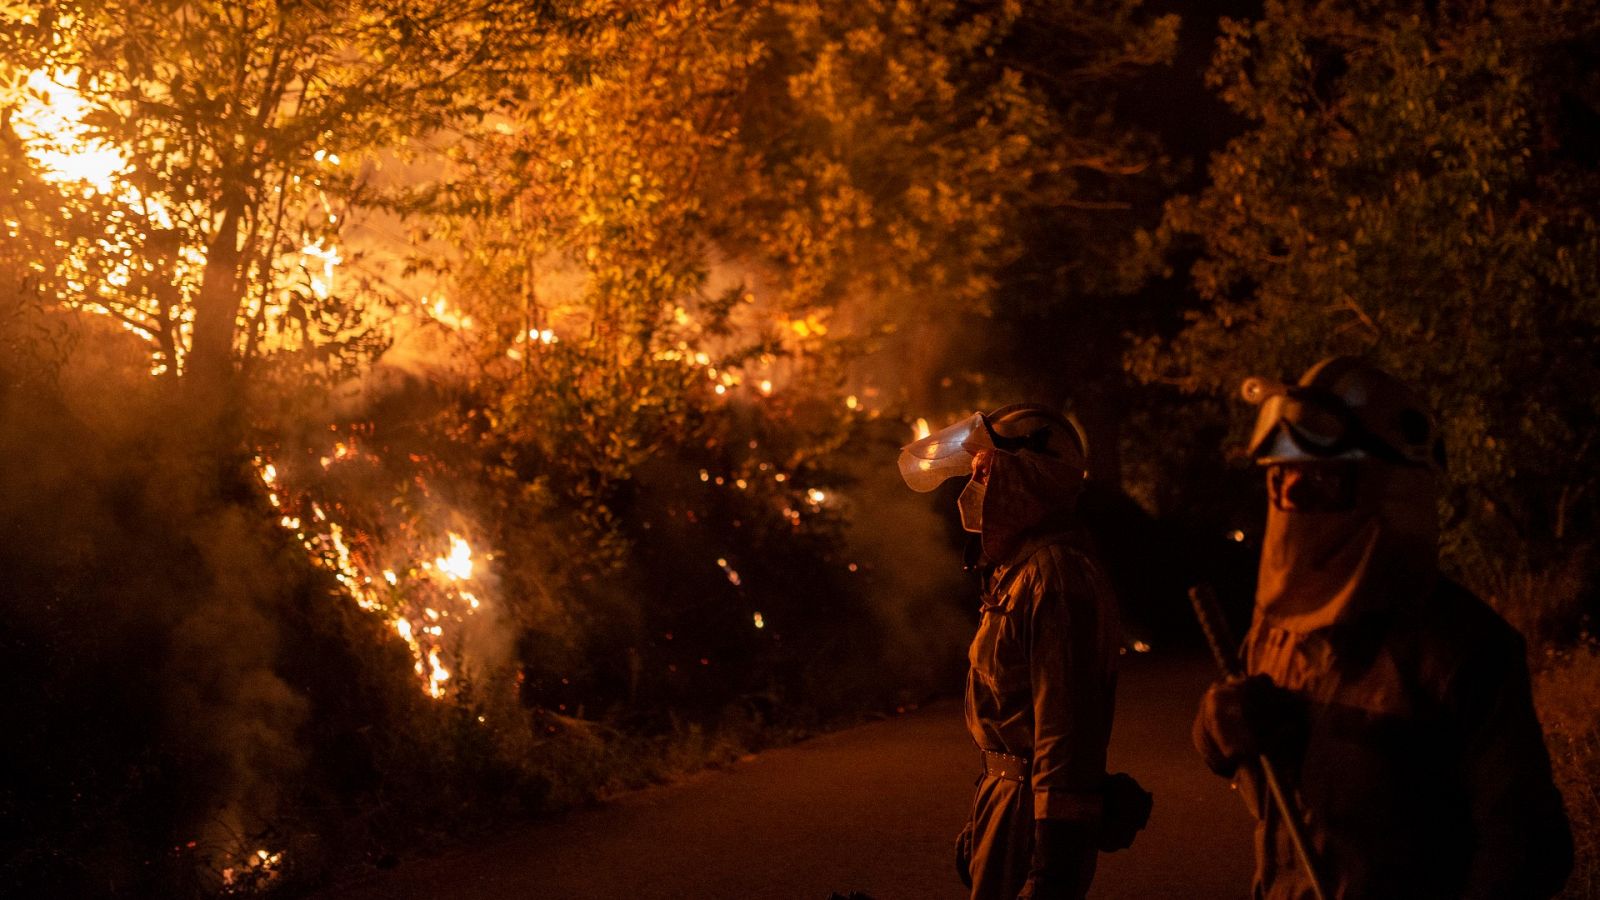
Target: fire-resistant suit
{"x":1042,"y":671}
{"x":1039,"y":704}
{"x":1394,"y":704}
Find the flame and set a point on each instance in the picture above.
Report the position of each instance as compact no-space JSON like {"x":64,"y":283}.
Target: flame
{"x":255,"y":871}
{"x":458,"y":565}
{"x":48,"y":116}
{"x":437,"y":674}
{"x":329,"y":259}
{"x":810,"y":326}
{"x":920,"y":430}
{"x":439,"y":308}
{"x":420,"y":601}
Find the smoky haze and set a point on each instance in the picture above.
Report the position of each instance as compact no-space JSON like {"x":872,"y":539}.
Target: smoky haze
{"x":144,"y":595}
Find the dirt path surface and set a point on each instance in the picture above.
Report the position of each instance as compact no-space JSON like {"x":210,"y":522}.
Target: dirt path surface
{"x":871,"y":809}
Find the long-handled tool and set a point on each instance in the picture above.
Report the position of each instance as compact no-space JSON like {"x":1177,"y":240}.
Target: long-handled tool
{"x":1215,"y":627}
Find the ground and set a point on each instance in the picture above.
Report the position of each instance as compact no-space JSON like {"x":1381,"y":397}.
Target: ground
{"x":871,"y":809}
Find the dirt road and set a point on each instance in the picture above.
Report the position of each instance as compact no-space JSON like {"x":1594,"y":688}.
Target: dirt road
{"x":872,"y":809}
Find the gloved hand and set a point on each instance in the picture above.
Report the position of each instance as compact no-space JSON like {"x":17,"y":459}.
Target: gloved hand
{"x":1127,"y":811}
{"x":1241,"y":718}
{"x":1063,"y":861}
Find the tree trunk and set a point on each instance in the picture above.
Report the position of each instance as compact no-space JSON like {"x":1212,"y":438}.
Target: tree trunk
{"x":210,"y":364}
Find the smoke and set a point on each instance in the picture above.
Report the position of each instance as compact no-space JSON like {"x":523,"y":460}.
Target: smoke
{"x":917,"y":591}
{"x":224,"y":702}
{"x":143,"y":593}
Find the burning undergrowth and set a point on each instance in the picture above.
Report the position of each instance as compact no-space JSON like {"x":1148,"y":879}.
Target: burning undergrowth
{"x":238,"y":668}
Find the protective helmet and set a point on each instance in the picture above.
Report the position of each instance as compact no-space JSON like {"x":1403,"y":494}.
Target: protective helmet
{"x":1342,"y":408}
{"x":1032,"y":427}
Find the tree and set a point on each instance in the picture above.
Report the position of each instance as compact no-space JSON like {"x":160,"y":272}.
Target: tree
{"x":233,"y":142}
{"x":1416,"y":185}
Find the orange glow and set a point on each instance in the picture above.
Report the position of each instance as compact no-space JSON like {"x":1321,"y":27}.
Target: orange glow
{"x":423,"y":601}
{"x":48,"y":116}
{"x":458,"y":564}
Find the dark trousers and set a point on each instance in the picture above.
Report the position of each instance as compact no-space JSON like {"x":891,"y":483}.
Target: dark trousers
{"x":1002,"y":838}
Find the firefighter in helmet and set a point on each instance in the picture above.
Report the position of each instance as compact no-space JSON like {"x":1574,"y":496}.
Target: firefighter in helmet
{"x":1042,"y":672}
{"x":1394,"y":704}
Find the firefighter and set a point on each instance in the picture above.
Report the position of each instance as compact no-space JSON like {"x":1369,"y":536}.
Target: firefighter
{"x":1042,"y":671}
{"x":1394,"y":704}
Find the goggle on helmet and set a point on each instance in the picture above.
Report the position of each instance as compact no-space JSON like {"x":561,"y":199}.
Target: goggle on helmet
{"x":948,"y":453}
{"x":1342,"y":408}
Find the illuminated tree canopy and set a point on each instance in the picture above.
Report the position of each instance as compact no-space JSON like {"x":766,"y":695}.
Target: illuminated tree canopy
{"x":1418,"y":186}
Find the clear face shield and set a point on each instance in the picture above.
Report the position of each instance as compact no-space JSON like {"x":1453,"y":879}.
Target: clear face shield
{"x":946,"y":453}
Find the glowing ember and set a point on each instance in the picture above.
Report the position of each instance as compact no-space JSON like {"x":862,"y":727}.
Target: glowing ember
{"x":816,"y":496}
{"x":256,"y":870}
{"x":760,"y":622}
{"x":920,"y":430}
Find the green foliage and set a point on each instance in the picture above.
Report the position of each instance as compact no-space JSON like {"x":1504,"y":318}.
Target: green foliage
{"x":1415,"y":184}
{"x":903,"y":146}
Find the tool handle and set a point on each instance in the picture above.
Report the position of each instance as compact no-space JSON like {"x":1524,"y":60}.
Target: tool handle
{"x":1291,"y":823}
{"x":1215,"y":626}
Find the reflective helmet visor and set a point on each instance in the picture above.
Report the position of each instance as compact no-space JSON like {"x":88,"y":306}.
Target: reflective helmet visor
{"x":1314,"y":427}
{"x":946,"y":453}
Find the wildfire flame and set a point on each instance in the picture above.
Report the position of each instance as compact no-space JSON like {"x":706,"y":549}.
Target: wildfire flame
{"x":441,"y":311}
{"x":48,"y":116}
{"x":328,"y":260}
{"x":398,"y":592}
{"x":457,"y":565}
